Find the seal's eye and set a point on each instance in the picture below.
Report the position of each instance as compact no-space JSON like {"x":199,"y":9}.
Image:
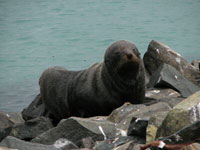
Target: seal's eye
{"x":117,"y":53}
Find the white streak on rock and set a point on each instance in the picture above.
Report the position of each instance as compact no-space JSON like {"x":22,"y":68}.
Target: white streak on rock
{"x":123,"y":132}
{"x":156,"y":91}
{"x":61,"y":143}
{"x":198,"y":109}
{"x":137,"y":119}
{"x":157,"y":50}
{"x":159,"y":80}
{"x":101,"y":130}
{"x":176,"y":77}
{"x":178,"y":60}
{"x":8,"y":115}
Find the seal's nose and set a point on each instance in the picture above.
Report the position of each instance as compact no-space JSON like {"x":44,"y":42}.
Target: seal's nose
{"x":129,"y":55}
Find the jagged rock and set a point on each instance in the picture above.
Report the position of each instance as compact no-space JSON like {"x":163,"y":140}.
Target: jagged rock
{"x":64,"y":144}
{"x":94,"y":123}
{"x":196,"y":64}
{"x":159,"y":53}
{"x":87,"y":143}
{"x":143,"y":112}
{"x":123,"y":115}
{"x":5,"y":126}
{"x":12,"y":142}
{"x":167,"y":76}
{"x":118,"y":114}
{"x":15,"y":117}
{"x":188,"y":134}
{"x":31,"y":128}
{"x":113,"y":143}
{"x":70,"y":129}
{"x":35,"y":109}
{"x":183,"y":114}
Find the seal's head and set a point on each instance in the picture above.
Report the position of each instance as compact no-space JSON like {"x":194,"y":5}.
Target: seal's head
{"x":122,"y":60}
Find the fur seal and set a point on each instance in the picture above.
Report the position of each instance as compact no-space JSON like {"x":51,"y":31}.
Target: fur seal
{"x":99,"y":89}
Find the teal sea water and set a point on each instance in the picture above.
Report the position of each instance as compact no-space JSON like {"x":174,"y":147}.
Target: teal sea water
{"x":36,"y":34}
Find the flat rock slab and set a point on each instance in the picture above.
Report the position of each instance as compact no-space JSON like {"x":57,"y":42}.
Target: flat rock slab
{"x":69,"y":129}
{"x":15,"y":117}
{"x":31,"y":128}
{"x":160,"y":93}
{"x":168,"y":76}
{"x":12,"y":142}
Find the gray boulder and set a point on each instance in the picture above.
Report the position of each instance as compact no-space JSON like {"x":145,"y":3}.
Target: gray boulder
{"x":159,"y":53}
{"x":15,"y":117}
{"x":183,"y":114}
{"x":31,"y":128}
{"x":69,"y":129}
{"x":167,"y":76}
{"x":5,"y":126}
{"x":12,"y":142}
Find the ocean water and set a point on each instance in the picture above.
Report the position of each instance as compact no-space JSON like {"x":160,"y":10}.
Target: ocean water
{"x":36,"y":34}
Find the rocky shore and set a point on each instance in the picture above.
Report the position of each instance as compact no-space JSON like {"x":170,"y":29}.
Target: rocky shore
{"x":170,"y":115}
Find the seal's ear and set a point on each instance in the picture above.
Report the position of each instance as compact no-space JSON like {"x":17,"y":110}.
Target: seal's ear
{"x":136,"y":52}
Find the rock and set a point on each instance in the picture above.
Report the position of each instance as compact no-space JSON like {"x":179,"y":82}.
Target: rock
{"x":181,"y":139}
{"x":118,"y":114}
{"x":167,"y":95}
{"x":183,"y":114}
{"x":12,"y":142}
{"x":35,"y":109}
{"x":167,"y":76}
{"x":95,"y":123}
{"x":196,"y":64}
{"x":113,"y":143}
{"x":5,"y":126}
{"x":64,"y":144}
{"x":188,"y":134}
{"x":123,"y":116}
{"x":159,"y":53}
{"x":70,"y":129}
{"x":15,"y":117}
{"x":31,"y":128}
{"x":87,"y":143}
{"x":160,"y":93}
{"x":143,"y":112}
